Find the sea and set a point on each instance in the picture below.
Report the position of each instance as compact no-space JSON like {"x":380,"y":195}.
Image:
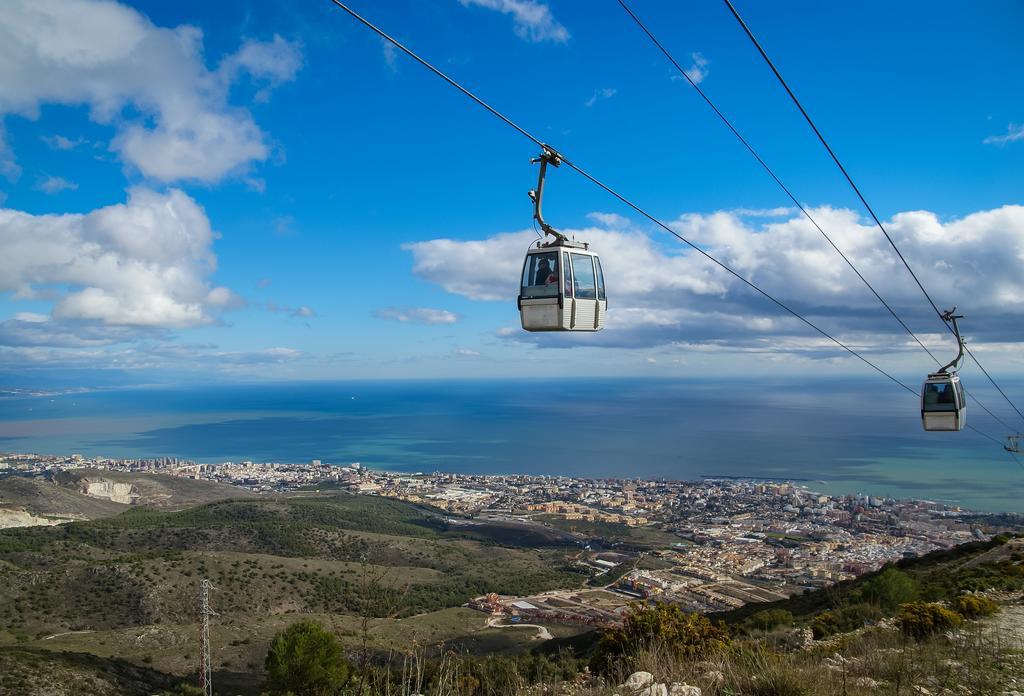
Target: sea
{"x":837,"y":436}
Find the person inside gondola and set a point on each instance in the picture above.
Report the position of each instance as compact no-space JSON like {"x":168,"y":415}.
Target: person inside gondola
{"x":543,"y":273}
{"x":553,"y":276}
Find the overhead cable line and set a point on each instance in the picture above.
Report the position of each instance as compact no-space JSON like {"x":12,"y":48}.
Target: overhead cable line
{"x":792,"y":197}
{"x":857,"y":190}
{"x":627,"y":202}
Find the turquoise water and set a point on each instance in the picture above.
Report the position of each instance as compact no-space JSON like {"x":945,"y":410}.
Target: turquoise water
{"x":837,"y":436}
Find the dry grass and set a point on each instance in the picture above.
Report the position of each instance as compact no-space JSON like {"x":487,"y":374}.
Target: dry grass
{"x":874,"y":661}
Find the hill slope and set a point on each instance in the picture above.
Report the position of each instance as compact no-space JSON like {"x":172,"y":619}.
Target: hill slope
{"x":131,"y":580}
{"x":91,"y":494}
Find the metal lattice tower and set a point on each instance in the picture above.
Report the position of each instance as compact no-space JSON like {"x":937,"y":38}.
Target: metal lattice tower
{"x":205,"y":662}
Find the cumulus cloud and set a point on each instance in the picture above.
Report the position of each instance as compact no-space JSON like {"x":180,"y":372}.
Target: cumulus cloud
{"x":31,"y":329}
{"x":143,"y":263}
{"x":171,"y":112}
{"x":609,"y":219}
{"x":531,"y":20}
{"x":417,"y":315}
{"x":276,"y":61}
{"x":55,"y":184}
{"x":763,"y":212}
{"x":661,"y":292}
{"x":1014,"y":132}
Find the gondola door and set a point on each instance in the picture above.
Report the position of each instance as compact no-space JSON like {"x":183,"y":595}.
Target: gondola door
{"x":584,"y":286}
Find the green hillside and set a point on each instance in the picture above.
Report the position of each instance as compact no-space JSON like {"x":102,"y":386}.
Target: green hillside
{"x":126,"y":586}
{"x":111,"y":603}
{"x":937,"y":576}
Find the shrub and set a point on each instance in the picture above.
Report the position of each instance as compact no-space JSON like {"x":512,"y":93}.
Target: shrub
{"x":185,"y":690}
{"x":975,"y":606}
{"x":664,"y":627}
{"x":825,"y":624}
{"x":921,"y":619}
{"x":305,"y":659}
{"x":889,"y":589}
{"x":856,"y":616}
{"x":767,"y":619}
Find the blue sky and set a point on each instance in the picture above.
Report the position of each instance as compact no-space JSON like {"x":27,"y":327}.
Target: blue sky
{"x":201,"y":191}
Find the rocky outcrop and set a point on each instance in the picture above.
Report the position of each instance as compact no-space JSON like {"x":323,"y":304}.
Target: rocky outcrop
{"x":643,"y":684}
{"x":22,"y":518}
{"x":114,"y":491}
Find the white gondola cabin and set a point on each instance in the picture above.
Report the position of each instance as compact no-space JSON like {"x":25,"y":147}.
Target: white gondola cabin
{"x":562,"y":288}
{"x":943,"y":406}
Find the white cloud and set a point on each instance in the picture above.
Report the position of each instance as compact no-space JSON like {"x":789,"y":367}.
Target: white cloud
{"x":224,"y":299}
{"x":55,"y":184}
{"x":92,"y":355}
{"x":698,"y":70}
{"x":763,"y":212}
{"x":600,"y":94}
{"x":144,"y":263}
{"x":171,"y":112}
{"x":390,"y":55}
{"x":662,"y":292}
{"x":32,"y":329}
{"x":480,"y":270}
{"x":59,"y":142}
{"x":1014,"y":132}
{"x":531,"y":20}
{"x":609,"y":219}
{"x":284,"y":226}
{"x":9,"y":168}
{"x":302,"y":312}
{"x":276,"y":61}
{"x":417,"y":315}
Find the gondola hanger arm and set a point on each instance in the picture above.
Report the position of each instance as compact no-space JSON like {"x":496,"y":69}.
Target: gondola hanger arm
{"x":950,"y":318}
{"x":548,"y":155}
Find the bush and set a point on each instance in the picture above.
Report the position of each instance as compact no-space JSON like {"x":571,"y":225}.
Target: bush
{"x":921,"y":619}
{"x":662,"y":627}
{"x":185,"y":690}
{"x":975,"y":606}
{"x":825,"y":624}
{"x":305,"y":659}
{"x":767,"y":619}
{"x":889,"y":589}
{"x":846,"y":619}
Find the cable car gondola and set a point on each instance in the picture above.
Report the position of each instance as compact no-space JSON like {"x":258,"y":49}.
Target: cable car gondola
{"x":943,"y":403}
{"x":562,"y":285}
{"x":1013,"y":443}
